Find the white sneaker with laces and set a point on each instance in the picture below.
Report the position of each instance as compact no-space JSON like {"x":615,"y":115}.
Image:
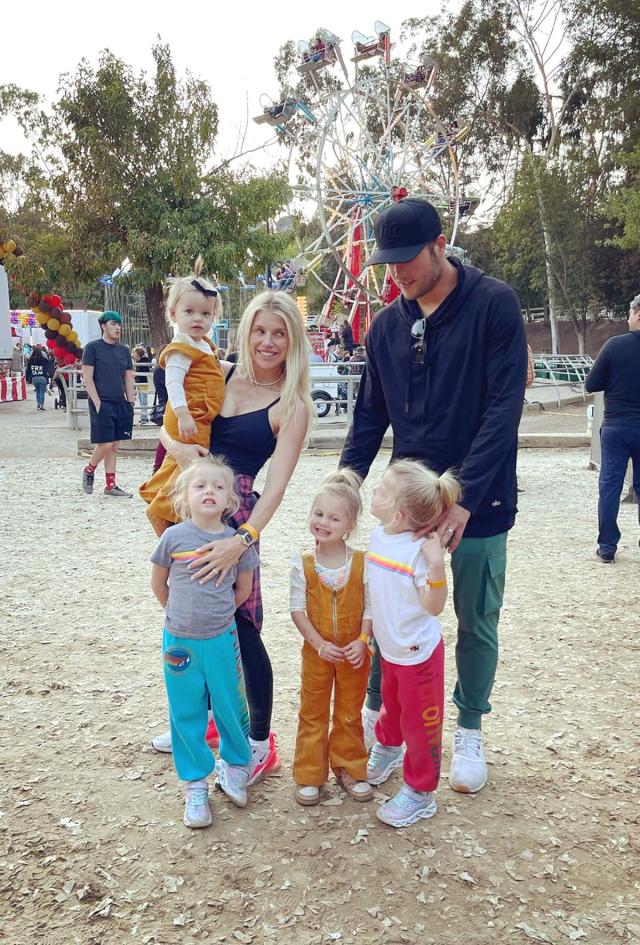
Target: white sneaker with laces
{"x":407,"y":807}
{"x":232,"y":779}
{"x":162,"y":743}
{"x":369,"y":719}
{"x":468,"y":772}
{"x":197,"y":812}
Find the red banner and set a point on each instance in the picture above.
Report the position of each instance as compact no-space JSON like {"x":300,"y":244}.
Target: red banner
{"x":12,"y":388}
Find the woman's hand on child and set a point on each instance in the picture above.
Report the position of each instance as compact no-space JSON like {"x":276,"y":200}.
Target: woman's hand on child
{"x":216,"y":560}
{"x":356,"y":653}
{"x":330,"y":652}
{"x":187,"y":427}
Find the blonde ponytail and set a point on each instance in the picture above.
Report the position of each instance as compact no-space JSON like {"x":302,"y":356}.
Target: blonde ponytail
{"x":449,"y":489}
{"x":421,"y":494}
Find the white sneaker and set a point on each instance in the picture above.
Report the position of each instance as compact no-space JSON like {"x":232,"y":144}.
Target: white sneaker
{"x":197,"y":812}
{"x":468,"y":772}
{"x":162,"y":743}
{"x":232,"y":779}
{"x":369,"y":719}
{"x":383,"y":761}
{"x":407,"y":807}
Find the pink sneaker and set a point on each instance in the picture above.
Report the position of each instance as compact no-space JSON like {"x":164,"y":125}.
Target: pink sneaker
{"x":267,"y":765}
{"x":212,"y":738}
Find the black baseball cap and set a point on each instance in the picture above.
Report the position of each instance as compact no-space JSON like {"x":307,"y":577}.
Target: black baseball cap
{"x":403,"y":229}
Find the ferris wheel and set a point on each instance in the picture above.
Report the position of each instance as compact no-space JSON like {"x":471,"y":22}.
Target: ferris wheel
{"x":367,"y":136}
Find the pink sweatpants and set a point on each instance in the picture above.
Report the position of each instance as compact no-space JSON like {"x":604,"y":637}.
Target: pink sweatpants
{"x":412,"y":711}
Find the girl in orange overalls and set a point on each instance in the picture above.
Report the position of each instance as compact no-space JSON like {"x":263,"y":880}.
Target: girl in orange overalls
{"x":329,"y":607}
{"x":194,"y":382}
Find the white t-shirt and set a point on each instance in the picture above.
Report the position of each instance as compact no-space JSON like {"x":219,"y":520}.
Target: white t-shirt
{"x":405,"y":633}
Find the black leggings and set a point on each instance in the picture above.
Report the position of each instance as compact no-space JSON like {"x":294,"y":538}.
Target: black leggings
{"x":258,"y":678}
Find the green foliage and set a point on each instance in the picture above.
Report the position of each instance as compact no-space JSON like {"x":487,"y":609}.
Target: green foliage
{"x":135,"y":151}
{"x":624,"y":203}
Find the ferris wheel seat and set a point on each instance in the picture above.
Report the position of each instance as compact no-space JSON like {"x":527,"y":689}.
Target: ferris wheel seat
{"x":418,"y":79}
{"x":316,"y":61}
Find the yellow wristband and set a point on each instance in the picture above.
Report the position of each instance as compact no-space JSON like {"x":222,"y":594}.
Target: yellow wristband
{"x":255,"y":534}
{"x":365,"y":639}
{"x":437,"y":583}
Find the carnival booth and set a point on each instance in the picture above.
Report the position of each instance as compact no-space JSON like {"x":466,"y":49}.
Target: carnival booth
{"x":12,"y":382}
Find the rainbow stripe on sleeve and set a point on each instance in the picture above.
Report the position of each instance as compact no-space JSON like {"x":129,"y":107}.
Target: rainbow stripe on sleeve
{"x":185,"y":556}
{"x":388,"y":564}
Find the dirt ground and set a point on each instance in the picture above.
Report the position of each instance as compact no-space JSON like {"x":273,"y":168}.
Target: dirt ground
{"x":92,"y":846}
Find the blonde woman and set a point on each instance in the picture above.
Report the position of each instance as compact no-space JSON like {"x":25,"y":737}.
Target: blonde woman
{"x":266,"y":414}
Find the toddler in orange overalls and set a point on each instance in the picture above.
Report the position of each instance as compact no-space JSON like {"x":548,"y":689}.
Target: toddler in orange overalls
{"x":328,"y":603}
{"x":194,"y":382}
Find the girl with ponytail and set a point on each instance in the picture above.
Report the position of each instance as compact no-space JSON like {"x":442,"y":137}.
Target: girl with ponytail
{"x":408,"y":588}
{"x":329,"y":606}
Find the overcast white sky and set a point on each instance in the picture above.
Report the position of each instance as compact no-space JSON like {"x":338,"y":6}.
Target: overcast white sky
{"x":230,"y":44}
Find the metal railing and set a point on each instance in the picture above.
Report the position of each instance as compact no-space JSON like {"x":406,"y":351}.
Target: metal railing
{"x":77,"y":405}
{"x":561,"y":371}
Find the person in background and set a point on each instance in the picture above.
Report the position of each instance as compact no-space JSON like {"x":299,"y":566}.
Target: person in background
{"x":107,"y":370}
{"x":142,"y":365}
{"x":616,"y":371}
{"x":160,"y":400}
{"x":346,"y":335}
{"x":37,"y":372}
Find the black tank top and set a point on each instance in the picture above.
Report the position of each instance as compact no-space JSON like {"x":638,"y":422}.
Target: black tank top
{"x":246,"y":441}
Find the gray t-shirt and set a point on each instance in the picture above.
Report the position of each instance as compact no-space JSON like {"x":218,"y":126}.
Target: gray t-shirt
{"x":197,"y":611}
{"x":110,"y":363}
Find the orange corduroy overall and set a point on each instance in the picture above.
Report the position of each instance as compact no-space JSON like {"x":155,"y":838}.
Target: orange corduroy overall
{"x":337,"y":616}
{"x":204,"y":392}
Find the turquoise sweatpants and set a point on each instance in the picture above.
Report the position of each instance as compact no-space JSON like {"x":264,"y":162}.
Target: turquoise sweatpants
{"x":194,"y":671}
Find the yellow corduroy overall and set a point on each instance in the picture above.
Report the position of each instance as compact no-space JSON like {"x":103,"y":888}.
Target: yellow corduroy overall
{"x":204,"y":392}
{"x":337,"y":616}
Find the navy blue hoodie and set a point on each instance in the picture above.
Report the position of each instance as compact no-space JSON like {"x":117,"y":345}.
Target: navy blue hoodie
{"x":461,"y":408}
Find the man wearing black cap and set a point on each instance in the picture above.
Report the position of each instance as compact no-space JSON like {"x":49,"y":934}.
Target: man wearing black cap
{"x":446,"y":367}
{"x":108,"y":375}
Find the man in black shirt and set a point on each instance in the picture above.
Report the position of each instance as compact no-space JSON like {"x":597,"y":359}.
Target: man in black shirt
{"x":446,"y":367}
{"x":617,"y":372}
{"x":107,"y":370}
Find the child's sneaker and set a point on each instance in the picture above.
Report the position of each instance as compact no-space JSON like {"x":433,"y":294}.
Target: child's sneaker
{"x":162,"y":743}
{"x":307,"y":795}
{"x":212,"y":738}
{"x":383,"y":760}
{"x":358,"y":790}
{"x":196,"y":805}
{"x":232,"y":779}
{"x":369,"y":719}
{"x":407,"y":807}
{"x":263,"y":762}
